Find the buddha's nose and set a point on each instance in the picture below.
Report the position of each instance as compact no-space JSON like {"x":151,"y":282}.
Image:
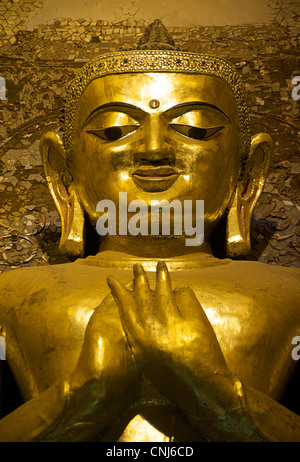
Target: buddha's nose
{"x":155,"y":147}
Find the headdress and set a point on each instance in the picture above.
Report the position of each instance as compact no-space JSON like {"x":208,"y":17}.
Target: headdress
{"x":156,"y":53}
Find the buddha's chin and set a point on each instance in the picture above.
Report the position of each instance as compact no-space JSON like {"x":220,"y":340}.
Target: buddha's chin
{"x":154,"y":184}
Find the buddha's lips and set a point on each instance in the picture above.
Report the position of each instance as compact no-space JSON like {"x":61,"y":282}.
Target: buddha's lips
{"x":152,"y":172}
{"x":155,"y":178}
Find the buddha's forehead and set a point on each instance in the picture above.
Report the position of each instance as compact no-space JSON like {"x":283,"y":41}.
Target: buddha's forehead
{"x":170,"y":89}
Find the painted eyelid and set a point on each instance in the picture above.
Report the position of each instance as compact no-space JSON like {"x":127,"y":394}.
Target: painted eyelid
{"x":200,"y":119}
{"x":210,"y":128}
{"x":181,"y":128}
{"x":102,"y":129}
{"x":101,"y":132}
{"x":111,"y":119}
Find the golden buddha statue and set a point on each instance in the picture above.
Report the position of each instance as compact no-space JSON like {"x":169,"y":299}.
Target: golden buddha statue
{"x":191,"y":347}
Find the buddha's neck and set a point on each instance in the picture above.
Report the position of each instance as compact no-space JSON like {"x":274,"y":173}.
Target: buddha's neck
{"x":152,"y":246}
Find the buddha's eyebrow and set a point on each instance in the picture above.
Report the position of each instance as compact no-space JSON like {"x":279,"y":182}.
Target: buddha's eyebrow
{"x":184,"y":107}
{"x":171,"y":112}
{"x":116,"y":105}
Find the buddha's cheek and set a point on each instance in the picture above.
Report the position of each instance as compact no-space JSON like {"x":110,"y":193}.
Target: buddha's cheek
{"x":215,"y":174}
{"x":100,"y":172}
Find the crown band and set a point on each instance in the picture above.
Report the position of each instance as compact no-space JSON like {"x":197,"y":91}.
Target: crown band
{"x":158,"y":61}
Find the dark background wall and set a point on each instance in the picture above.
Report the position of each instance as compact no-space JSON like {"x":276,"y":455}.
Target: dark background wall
{"x":43,"y":45}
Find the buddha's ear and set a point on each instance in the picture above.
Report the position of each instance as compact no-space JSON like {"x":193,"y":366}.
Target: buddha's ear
{"x":63,"y":191}
{"x":248,"y":191}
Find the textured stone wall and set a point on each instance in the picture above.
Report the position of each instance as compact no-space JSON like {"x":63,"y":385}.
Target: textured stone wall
{"x":38,"y":65}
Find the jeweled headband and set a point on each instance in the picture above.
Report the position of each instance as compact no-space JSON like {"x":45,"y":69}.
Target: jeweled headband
{"x":158,"y":61}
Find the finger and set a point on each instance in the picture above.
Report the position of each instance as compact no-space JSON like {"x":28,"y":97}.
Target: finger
{"x":164,"y":296}
{"x":128,"y":315}
{"x":125,"y":302}
{"x":142,"y":290}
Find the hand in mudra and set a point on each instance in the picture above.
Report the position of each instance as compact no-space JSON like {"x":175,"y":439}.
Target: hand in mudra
{"x":175,"y":345}
{"x":106,"y":378}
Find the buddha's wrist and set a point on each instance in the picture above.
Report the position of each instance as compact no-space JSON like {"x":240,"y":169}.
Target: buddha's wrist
{"x":73,"y":419}
{"x":61,"y":403}
{"x":236,"y":422}
{"x":222,"y":412}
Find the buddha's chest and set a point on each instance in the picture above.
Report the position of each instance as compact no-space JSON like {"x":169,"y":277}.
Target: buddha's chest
{"x":249,"y":323}
{"x":252,"y":327}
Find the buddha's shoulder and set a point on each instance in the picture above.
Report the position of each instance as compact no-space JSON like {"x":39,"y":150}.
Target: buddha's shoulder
{"x":257,"y":271}
{"x":253,"y":274}
{"x":44,"y":275}
{"x":262,"y":274}
{"x":46,"y":285}
{"x":254,"y":284}
{"x":244,"y":280}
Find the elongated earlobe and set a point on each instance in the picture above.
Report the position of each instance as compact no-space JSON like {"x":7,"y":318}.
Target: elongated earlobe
{"x":64,"y":194}
{"x":247,"y":193}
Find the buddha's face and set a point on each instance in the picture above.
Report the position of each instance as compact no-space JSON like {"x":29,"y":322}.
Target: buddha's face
{"x":156,"y":136}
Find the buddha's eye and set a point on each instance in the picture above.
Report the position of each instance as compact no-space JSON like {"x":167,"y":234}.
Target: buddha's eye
{"x":113,"y":133}
{"x":196,"y":133}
